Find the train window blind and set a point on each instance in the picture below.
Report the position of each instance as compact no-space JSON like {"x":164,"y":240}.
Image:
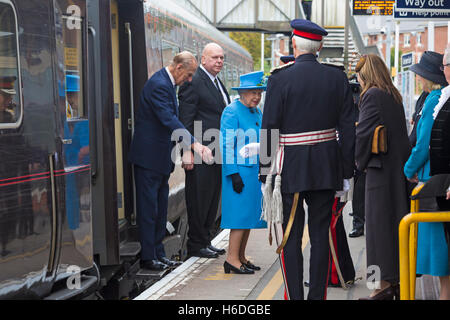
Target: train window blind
{"x":10,"y":89}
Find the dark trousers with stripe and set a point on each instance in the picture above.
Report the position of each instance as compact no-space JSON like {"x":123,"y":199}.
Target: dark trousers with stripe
{"x":152,"y":196}
{"x":319,"y":217}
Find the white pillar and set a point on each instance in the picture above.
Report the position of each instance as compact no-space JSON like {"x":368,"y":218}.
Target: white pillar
{"x":448,"y":32}
{"x":388,"y":45}
{"x":430,"y":36}
{"x":397,"y":48}
{"x":262,"y":51}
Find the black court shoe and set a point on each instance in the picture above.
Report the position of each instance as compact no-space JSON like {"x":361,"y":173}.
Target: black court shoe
{"x":251,"y":266}
{"x":227,"y":267}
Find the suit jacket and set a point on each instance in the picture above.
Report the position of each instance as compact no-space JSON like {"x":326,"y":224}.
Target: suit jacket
{"x":308,"y":96}
{"x":440,"y":142}
{"x":200,"y":100}
{"x":156,"y":120}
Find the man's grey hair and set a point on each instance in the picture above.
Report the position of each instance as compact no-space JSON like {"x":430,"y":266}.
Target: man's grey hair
{"x":447,"y":54}
{"x":186,"y":58}
{"x":306,"y":45}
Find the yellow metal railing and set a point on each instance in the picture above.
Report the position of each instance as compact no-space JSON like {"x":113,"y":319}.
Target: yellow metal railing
{"x":408,"y":244}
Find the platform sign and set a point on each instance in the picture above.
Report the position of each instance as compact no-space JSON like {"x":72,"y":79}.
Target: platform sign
{"x":421,"y":15}
{"x":372,"y":7}
{"x":407,"y":60}
{"x":423,"y":5}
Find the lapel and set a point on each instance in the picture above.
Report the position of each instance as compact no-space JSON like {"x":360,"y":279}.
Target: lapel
{"x":212,"y":88}
{"x":172,"y":91}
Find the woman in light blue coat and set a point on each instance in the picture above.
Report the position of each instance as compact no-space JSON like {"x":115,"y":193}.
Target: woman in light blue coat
{"x":432,"y":258}
{"x":241,"y":189}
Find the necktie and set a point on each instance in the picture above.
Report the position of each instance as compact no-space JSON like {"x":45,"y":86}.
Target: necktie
{"x":218,"y":88}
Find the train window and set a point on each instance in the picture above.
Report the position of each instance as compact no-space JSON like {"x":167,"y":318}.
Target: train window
{"x":10,"y":88}
{"x":169,"y":50}
{"x":73,"y":37}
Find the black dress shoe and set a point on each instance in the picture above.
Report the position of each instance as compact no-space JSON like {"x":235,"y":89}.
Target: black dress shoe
{"x":219,"y":251}
{"x":387,"y":294}
{"x":227,"y":267}
{"x":355,"y":233}
{"x":204,"y":253}
{"x":251,"y":266}
{"x":154,"y":265}
{"x":170,"y":263}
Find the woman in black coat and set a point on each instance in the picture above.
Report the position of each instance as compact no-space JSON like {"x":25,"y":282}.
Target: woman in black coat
{"x":386,"y":198}
{"x":440,"y":144}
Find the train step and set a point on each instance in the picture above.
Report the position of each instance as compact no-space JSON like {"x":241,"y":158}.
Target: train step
{"x":151,"y":274}
{"x":129,"y":249}
{"x":84,"y":284}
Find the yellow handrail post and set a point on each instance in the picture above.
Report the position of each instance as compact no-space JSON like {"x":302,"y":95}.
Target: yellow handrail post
{"x":404,"y":229}
{"x":408,"y":251}
{"x":412,"y":259}
{"x":403,"y":233}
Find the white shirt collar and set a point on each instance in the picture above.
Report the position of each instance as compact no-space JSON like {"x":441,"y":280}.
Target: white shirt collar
{"x":209,"y":74}
{"x":171,"y":77}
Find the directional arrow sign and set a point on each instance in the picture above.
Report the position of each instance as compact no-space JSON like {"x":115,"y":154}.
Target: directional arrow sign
{"x":423,"y":5}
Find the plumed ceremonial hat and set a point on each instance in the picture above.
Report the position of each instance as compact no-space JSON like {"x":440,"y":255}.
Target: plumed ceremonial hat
{"x":308,"y":30}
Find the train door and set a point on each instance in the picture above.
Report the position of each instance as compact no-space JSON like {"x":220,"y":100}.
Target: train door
{"x":71,"y":47}
{"x":117,"y":111}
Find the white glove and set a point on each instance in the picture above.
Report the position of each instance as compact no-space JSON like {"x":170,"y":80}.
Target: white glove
{"x":249,"y":150}
{"x":263,"y":187}
{"x":346,"y":187}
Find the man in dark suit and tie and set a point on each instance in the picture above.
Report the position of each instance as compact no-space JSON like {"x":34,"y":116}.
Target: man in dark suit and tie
{"x":151,"y":150}
{"x":202,"y":101}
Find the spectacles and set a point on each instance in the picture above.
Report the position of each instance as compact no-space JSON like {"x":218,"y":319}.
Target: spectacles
{"x":443,"y":66}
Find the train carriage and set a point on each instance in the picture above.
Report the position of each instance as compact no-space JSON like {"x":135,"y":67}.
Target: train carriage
{"x":71,"y":72}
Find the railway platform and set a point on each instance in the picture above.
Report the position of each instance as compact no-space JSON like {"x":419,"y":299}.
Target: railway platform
{"x":204,"y":279}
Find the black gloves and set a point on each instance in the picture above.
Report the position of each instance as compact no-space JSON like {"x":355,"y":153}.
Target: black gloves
{"x":238,"y":185}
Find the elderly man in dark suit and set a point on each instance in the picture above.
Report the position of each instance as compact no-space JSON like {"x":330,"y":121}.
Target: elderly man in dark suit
{"x":202,"y":102}
{"x":307,"y":103}
{"x":151,"y":150}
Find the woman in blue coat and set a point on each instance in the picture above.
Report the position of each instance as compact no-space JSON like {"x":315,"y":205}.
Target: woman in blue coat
{"x":241,"y":189}
{"x":432,"y":248}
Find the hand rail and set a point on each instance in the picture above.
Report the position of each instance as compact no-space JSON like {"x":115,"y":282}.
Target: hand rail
{"x":408,"y":244}
{"x":130,"y":67}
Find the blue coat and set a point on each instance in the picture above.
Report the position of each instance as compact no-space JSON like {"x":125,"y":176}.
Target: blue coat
{"x":238,"y":127}
{"x":419,"y":160}
{"x":156,"y":120}
{"x":432,"y":250}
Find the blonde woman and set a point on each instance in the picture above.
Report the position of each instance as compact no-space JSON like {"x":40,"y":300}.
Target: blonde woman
{"x":386,"y":198}
{"x":432,"y":248}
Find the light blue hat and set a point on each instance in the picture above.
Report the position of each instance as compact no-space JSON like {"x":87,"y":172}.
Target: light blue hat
{"x":252,"y":80}
{"x":72,"y":83}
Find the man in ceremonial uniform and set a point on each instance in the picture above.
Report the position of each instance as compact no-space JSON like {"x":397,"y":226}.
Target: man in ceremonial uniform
{"x":309,"y":104}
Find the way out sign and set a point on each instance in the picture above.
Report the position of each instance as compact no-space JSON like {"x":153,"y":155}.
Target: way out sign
{"x":420,"y":5}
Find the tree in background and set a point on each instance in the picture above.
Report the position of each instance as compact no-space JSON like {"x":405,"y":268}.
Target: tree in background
{"x":252,"y":42}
